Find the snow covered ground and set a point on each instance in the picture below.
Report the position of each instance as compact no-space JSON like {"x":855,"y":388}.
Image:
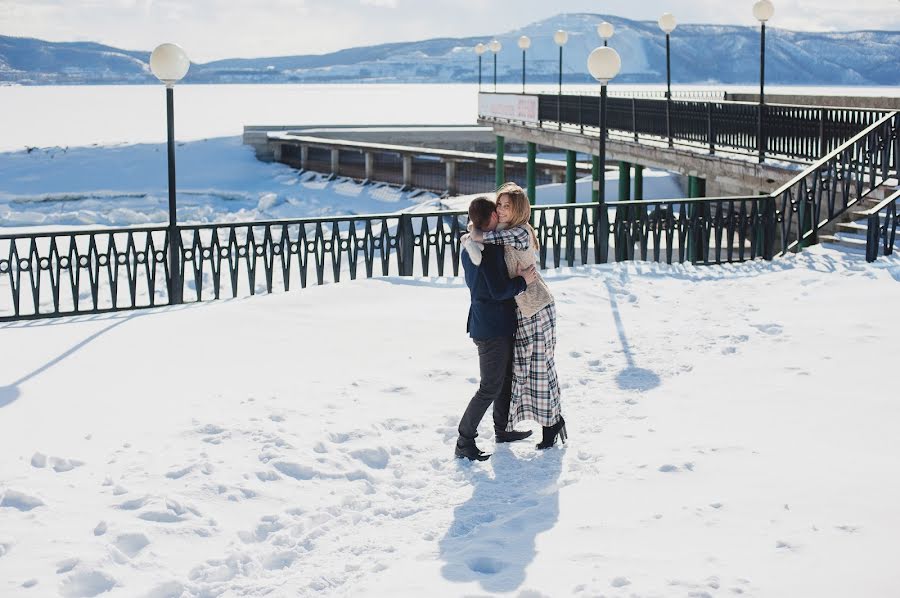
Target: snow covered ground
{"x":219,"y":180}
{"x":732,"y":432}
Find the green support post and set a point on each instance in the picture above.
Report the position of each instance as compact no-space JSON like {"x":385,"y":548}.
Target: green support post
{"x":696,"y":188}
{"x":624,"y":181}
{"x":499,"y":167}
{"x":624,"y":215}
{"x":690,"y":250}
{"x":623,"y":224}
{"x":570,"y":176}
{"x":595,"y":178}
{"x":638,"y":182}
{"x":530,"y":172}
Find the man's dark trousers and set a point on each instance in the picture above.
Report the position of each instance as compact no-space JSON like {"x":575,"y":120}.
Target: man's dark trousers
{"x":495,"y":362}
{"x":492,"y":326}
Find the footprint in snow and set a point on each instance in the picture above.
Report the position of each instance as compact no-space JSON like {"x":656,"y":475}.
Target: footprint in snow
{"x":13,"y":499}
{"x":376,"y":458}
{"x":40,"y":461}
{"x":620,"y":582}
{"x":85,"y":584}
{"x":210,"y":429}
{"x":486,"y":565}
{"x":770,"y":329}
{"x":131,"y":544}
{"x":66,"y":566}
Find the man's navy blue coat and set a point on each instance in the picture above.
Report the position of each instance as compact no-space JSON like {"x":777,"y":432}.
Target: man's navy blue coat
{"x":493,"y":311}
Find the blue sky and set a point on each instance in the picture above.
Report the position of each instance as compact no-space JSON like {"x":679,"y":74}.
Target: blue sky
{"x":212,"y":29}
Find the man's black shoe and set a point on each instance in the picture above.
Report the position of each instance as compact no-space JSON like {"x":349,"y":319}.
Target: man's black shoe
{"x":504,"y":436}
{"x":468,"y":450}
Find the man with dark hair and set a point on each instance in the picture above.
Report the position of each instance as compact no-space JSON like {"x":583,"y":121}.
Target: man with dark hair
{"x":492,"y":326}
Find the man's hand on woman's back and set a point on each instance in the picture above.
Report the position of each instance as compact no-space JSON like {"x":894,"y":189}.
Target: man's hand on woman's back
{"x":529,"y":274}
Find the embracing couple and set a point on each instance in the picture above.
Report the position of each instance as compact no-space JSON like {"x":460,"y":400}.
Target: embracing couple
{"x":512,"y":320}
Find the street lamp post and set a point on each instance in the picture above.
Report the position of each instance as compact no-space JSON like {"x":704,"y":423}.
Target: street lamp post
{"x":604,"y":64}
{"x":763,"y":11}
{"x":667,"y":23}
{"x":560,"y":38}
{"x":479,"y":50}
{"x":170,"y":64}
{"x":605,"y":31}
{"x":495,"y":48}
{"x":524,"y":44}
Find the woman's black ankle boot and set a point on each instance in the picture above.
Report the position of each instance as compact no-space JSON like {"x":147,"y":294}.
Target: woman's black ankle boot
{"x":551,"y":432}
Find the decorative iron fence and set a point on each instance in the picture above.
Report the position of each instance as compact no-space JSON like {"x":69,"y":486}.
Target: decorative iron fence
{"x":882,"y":222}
{"x":794,"y":132}
{"x":95,"y":271}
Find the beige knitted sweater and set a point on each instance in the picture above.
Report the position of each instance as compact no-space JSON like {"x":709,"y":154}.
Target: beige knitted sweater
{"x":537,"y":295}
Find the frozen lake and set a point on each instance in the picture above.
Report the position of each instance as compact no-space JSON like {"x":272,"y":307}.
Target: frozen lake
{"x":85,"y":115}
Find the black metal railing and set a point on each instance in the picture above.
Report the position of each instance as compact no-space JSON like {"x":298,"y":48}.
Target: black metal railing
{"x":881,"y":231}
{"x":85,"y":271}
{"x":59,"y":273}
{"x":838,"y":181}
{"x":803,"y":133}
{"x":709,"y":230}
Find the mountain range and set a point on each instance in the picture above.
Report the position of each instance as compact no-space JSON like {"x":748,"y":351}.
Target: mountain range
{"x":700,"y":54}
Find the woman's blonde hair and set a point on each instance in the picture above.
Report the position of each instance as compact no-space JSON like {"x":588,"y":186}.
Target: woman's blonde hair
{"x":521,"y":208}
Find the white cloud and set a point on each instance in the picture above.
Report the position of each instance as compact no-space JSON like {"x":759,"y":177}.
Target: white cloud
{"x":212,"y":29}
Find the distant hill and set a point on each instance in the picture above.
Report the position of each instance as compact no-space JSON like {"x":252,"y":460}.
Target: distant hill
{"x":700,"y":54}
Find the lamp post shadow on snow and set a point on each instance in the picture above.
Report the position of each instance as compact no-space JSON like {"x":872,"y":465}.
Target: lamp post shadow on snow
{"x":491,"y":540}
{"x":632,"y":377}
{"x":9,"y":393}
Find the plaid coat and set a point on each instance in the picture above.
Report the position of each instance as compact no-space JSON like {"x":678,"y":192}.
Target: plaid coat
{"x":535,"y":387}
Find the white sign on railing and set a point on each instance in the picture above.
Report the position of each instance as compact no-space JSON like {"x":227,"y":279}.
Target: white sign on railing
{"x":508,"y":106}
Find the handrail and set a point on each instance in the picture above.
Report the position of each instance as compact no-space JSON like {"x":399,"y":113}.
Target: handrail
{"x":833,"y":153}
{"x":788,"y":131}
{"x":90,"y":231}
{"x":882,"y":204}
{"x":652,"y":202}
{"x":676,"y":98}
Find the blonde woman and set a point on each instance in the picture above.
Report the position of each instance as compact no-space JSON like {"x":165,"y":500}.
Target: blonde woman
{"x":535,"y":387}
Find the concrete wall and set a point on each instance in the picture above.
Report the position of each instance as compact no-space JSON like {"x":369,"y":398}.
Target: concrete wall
{"x":462,"y":138}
